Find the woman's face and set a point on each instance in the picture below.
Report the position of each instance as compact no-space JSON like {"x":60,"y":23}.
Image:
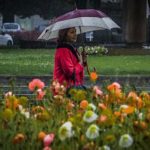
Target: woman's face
{"x":71,"y":35}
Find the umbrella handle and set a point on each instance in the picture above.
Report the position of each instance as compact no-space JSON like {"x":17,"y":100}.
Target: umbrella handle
{"x":88,"y":70}
{"x":86,"y":63}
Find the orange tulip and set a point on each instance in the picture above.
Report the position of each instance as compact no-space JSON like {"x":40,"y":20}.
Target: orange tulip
{"x":70,"y":106}
{"x":139,"y":103}
{"x":132,"y":95}
{"x":18,"y":138}
{"x":93,"y":76}
{"x":140,"y":125}
{"x":84,"y":104}
{"x":117,"y":113}
{"x":12,"y":103}
{"x":113,"y":86}
{"x":41,"y":135}
{"x":128,"y":110}
{"x":143,"y":125}
{"x":102,"y":106}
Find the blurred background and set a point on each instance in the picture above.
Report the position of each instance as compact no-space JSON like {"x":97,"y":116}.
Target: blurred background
{"x":24,"y":20}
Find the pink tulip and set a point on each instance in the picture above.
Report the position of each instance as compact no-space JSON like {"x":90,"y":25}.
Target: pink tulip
{"x":97,"y":91}
{"x":102,"y":118}
{"x":48,"y":139}
{"x":36,"y":83}
{"x":114,"y":86}
{"x":40,"y":94}
{"x":117,"y":85}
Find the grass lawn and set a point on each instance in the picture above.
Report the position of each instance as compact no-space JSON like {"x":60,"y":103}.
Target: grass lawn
{"x":41,"y":61}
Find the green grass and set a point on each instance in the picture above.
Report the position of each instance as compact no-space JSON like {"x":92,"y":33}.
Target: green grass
{"x":41,"y":61}
{"x":121,"y":65}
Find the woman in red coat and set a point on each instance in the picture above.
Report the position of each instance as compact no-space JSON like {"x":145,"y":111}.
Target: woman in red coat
{"x":68,"y":63}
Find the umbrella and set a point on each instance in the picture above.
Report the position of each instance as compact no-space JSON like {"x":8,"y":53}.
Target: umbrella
{"x":84,"y":20}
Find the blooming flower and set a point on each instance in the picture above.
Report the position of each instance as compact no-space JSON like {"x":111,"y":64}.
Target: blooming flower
{"x":126,"y":109}
{"x":65,"y":131}
{"x":92,"y":132}
{"x":41,"y":135}
{"x":40,"y":94}
{"x":57,"y":88}
{"x":113,"y":86}
{"x":26,"y":114}
{"x":83,"y":104}
{"x":8,"y":94}
{"x":141,"y":117}
{"x":91,"y":107}
{"x":124,"y":106}
{"x":48,"y":139}
{"x":93,"y":76}
{"x":102,"y":119}
{"x":36,"y":83}
{"x":132,"y":95}
{"x":70,"y":105}
{"x":19,"y":138}
{"x":97,"y":91}
{"x":90,"y":116}
{"x":125,"y":141}
{"x":102,"y":106}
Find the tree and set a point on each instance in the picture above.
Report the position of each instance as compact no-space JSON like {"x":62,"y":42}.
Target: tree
{"x":7,"y":10}
{"x":45,"y":8}
{"x":25,"y":8}
{"x":81,"y":4}
{"x":97,"y":4}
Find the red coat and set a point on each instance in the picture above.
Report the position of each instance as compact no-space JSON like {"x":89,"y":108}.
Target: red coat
{"x":67,"y":67}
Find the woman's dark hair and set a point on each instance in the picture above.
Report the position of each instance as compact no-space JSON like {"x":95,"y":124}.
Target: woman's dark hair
{"x":62,"y":35}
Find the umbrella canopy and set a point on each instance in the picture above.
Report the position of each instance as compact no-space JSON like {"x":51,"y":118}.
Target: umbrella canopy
{"x":84,"y":20}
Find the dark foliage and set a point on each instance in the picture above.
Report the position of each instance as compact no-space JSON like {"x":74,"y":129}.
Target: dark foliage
{"x":45,"y":8}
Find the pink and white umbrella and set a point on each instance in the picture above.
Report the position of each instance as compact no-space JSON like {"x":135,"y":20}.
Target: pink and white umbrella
{"x":84,"y":20}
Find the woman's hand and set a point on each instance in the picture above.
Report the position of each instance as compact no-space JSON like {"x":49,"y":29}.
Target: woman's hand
{"x":84,"y":58}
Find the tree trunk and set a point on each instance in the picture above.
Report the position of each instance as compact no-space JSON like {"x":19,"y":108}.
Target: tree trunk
{"x":134,"y":23}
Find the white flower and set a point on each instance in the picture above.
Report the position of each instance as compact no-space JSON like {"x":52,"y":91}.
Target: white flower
{"x":125,"y":141}
{"x":90,"y":116}
{"x":27,"y":114}
{"x":65,"y":131}
{"x":123,"y":106}
{"x":141,"y":116}
{"x":105,"y":147}
{"x":20,"y":107}
{"x":91,"y":107}
{"x":8,"y":94}
{"x":24,"y":112}
{"x":92,"y":132}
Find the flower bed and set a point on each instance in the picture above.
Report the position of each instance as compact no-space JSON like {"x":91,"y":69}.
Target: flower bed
{"x":91,"y":119}
{"x":95,"y":50}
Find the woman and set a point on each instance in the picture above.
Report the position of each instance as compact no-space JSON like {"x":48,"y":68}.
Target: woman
{"x":68,"y":63}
